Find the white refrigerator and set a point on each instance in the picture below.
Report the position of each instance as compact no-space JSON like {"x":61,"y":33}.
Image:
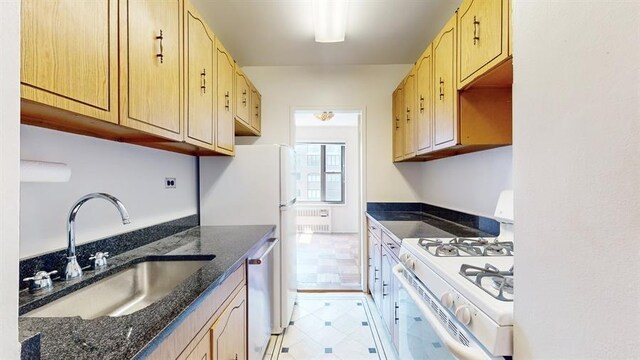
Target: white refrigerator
{"x":257,"y":187}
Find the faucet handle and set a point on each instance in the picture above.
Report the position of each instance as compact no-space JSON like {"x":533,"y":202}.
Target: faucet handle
{"x":99,"y":259}
{"x":40,"y":281}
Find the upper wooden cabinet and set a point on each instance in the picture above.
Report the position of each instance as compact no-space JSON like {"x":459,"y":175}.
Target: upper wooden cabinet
{"x":151,"y":66}
{"x":256,"y":110}
{"x":242,"y":93}
{"x":424,"y":114}
{"x":229,"y":332}
{"x":444,"y":76}
{"x":200,"y":80}
{"x":483,"y":38}
{"x":409,"y":114}
{"x":398,"y":123}
{"x":225,"y":133}
{"x":69,"y":57}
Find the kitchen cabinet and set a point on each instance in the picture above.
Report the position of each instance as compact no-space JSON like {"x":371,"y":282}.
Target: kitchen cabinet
{"x":256,"y":106}
{"x":387,"y":289}
{"x":69,"y":58}
{"x":225,"y":131}
{"x":229,"y":332}
{"x":242,"y":97}
{"x":483,"y":38}
{"x":376,"y":293}
{"x":444,"y":75}
{"x":151,"y":71}
{"x":424,"y":113}
{"x":200,"y":55}
{"x":398,"y":123}
{"x":409,"y":115}
{"x":202,"y":350}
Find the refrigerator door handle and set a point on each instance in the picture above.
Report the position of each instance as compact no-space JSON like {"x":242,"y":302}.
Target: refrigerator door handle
{"x":260,"y":260}
{"x":292,"y":202}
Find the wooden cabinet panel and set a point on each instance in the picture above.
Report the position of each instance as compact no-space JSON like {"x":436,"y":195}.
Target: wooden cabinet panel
{"x":398,"y":124}
{"x":200,"y":51}
{"x":483,"y":37}
{"x":69,"y":55}
{"x":409,"y":114}
{"x":377,"y":278}
{"x":256,"y":110}
{"x":387,"y":264}
{"x":372,"y":273}
{"x":446,"y":96}
{"x":229,"y":332}
{"x":151,"y":66}
{"x":202,"y":351}
{"x":424,"y":113}
{"x":225,"y":131}
{"x":242,"y":97}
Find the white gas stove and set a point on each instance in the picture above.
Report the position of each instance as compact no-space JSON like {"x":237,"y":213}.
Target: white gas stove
{"x":467,"y":286}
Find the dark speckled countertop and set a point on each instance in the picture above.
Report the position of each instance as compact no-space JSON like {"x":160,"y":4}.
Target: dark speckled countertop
{"x":137,"y":334}
{"x":415,"y":224}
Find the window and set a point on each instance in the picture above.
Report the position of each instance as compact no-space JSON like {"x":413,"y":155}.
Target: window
{"x":320,"y":172}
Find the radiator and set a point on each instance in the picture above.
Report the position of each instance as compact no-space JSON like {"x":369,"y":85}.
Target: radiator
{"x":313,"y":220}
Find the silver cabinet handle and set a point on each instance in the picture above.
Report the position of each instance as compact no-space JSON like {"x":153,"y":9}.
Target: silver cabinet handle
{"x":260,"y":260}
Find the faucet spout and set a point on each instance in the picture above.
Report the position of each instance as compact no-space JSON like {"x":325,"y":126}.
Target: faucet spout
{"x":73,"y":269}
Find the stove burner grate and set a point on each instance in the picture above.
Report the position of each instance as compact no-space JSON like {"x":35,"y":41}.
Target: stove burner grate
{"x":502,"y":281}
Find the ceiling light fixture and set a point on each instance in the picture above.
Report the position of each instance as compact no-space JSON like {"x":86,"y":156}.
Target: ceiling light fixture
{"x":330,"y":18}
{"x":325,"y":115}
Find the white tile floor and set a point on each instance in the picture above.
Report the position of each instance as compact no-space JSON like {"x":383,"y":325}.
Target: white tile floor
{"x":331,"y":326}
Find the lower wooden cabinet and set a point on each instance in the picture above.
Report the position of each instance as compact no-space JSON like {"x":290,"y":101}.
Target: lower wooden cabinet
{"x":202,"y":350}
{"x":229,"y":332}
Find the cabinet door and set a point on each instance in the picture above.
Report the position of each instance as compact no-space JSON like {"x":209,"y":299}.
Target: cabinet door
{"x":225,"y":136}
{"x":151,"y":66}
{"x":256,"y":110}
{"x":409,"y":115}
{"x":372,"y":275}
{"x":200,"y":50}
{"x":229,"y":331}
{"x":202,"y":350}
{"x":69,"y":55}
{"x":377,"y":279}
{"x":482,"y":37}
{"x":446,"y":97}
{"x":395,"y":334}
{"x":398,"y":124}
{"x":242,"y":96}
{"x":387,"y":290}
{"x":424,"y":113}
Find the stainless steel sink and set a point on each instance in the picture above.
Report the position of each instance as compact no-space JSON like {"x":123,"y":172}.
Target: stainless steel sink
{"x":123,"y":293}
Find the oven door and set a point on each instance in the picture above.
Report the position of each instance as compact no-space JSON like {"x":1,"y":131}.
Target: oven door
{"x":423,"y":334}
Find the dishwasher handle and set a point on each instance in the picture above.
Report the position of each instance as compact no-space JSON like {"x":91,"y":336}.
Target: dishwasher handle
{"x":257,"y":261}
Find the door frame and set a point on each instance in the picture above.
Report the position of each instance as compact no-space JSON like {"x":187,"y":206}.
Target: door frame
{"x":362,"y":171}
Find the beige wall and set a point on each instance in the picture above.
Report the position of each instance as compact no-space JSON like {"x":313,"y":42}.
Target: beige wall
{"x":9,"y":177}
{"x":576,"y":175}
{"x":364,"y":87}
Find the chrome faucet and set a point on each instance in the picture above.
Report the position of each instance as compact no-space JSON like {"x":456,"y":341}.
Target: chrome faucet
{"x":73,"y":269}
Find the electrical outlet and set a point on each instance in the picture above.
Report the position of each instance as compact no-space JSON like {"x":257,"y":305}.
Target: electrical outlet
{"x":169,"y":183}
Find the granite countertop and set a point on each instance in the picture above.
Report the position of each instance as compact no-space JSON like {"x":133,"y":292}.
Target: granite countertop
{"x":415,"y":224}
{"x":139,"y":333}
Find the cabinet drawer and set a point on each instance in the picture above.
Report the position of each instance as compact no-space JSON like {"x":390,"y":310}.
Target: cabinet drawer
{"x":391,"y":244}
{"x":374,"y":228}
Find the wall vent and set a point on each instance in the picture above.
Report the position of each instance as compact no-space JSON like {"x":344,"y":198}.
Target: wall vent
{"x":313,"y":219}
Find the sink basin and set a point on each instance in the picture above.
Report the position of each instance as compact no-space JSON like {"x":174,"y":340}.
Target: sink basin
{"x":125,"y":292}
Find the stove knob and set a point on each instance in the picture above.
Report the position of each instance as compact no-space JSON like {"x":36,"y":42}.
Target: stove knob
{"x":463,"y":313}
{"x":447,"y":300}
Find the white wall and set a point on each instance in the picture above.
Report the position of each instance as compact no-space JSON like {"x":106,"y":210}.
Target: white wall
{"x":344,"y":216}
{"x":576,"y":175}
{"x":366,"y":87}
{"x":9,"y":176}
{"x":469,"y":183}
{"x":133,"y":174}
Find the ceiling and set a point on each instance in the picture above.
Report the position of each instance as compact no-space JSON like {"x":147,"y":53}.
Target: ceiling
{"x":280,"y":32}
{"x":341,"y":119}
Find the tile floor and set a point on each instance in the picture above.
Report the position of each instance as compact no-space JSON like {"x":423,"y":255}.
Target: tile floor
{"x":328,"y":261}
{"x":331,"y":326}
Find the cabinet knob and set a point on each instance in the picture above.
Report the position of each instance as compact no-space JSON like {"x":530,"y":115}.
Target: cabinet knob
{"x":160,"y":55}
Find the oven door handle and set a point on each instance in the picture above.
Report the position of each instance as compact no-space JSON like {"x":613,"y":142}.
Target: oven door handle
{"x":459,"y":350}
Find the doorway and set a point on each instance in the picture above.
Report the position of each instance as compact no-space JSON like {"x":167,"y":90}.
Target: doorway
{"x":328,"y":156}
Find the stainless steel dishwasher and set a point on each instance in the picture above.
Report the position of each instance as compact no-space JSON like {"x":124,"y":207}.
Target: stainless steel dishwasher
{"x":260,"y":299}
